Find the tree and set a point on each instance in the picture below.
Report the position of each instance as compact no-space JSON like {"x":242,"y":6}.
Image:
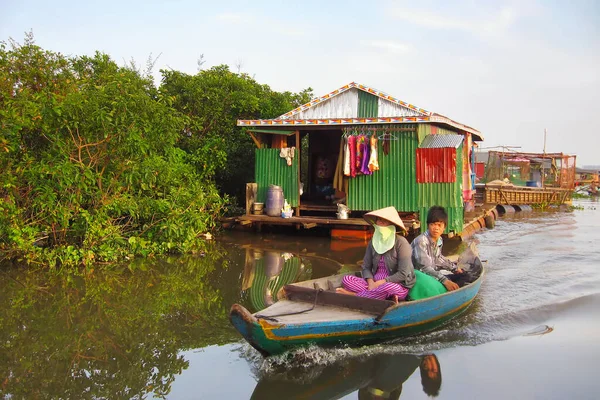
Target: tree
{"x":92,"y":167}
{"x":213,"y":100}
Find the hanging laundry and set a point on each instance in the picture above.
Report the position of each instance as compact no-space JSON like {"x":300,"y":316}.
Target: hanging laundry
{"x":288,"y":154}
{"x":360,"y":141}
{"x":338,"y":176}
{"x":346,"y":158}
{"x":373,"y":161}
{"x":364,"y":167}
{"x":386,"y":143}
{"x":352,"y":147}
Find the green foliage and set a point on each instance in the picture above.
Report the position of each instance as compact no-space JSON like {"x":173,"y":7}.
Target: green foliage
{"x":91,"y":168}
{"x":97,"y":165}
{"x":213,"y":100}
{"x":576,"y":195}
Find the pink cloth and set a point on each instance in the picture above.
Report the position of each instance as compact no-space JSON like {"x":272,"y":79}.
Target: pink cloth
{"x":388,"y":289}
{"x":360,"y":141}
{"x":352,"y":146}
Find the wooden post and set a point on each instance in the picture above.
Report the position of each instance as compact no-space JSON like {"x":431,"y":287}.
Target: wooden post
{"x":299,"y":158}
{"x":251,"y":189}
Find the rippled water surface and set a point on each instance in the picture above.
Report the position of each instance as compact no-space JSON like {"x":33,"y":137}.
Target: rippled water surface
{"x":161,"y":331}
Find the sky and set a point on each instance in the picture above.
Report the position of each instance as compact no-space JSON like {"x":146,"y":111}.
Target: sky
{"x":509,"y":68}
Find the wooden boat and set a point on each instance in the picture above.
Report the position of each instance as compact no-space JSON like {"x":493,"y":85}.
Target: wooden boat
{"x":311,"y":312}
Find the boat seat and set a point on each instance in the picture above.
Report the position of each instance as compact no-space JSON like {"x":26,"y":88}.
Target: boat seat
{"x":332,"y":284}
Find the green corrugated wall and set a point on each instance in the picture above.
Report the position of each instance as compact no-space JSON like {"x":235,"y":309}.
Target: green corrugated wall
{"x":447,"y":195}
{"x":368,"y":105}
{"x":270,"y":169}
{"x":395,"y":182}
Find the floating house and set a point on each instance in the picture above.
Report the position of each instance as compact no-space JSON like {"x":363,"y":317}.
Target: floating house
{"x":552,"y":170}
{"x":527,"y":178}
{"x":422,"y":158}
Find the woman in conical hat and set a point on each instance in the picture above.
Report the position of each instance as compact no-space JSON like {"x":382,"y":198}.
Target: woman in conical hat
{"x":387,"y":270}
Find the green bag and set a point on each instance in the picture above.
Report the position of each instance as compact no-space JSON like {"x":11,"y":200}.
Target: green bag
{"x":425,"y":286}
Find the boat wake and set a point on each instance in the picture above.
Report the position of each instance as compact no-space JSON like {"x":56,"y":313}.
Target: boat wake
{"x":479,"y":327}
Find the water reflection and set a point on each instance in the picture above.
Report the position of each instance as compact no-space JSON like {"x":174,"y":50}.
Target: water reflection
{"x":159,"y":328}
{"x":267,"y":271}
{"x":110,"y":334}
{"x":378,"y":376}
{"x":270,"y":266}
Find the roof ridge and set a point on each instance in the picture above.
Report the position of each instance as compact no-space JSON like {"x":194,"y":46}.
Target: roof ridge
{"x":364,"y":88}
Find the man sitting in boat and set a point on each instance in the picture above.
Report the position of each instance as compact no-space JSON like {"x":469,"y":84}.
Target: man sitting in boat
{"x":387,"y":270}
{"x":427,"y":249}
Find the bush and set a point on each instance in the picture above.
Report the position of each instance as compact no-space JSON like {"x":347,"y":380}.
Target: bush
{"x":92,"y":167}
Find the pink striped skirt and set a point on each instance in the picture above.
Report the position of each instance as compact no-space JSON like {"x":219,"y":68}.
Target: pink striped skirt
{"x":387,"y":290}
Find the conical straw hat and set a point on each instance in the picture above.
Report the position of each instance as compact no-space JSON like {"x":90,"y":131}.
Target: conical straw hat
{"x":389,"y":214}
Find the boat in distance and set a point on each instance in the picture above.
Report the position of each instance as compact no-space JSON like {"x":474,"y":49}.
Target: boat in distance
{"x":311,"y":312}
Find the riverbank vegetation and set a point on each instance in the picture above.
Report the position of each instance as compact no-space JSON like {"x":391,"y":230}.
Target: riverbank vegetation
{"x":99,"y":166}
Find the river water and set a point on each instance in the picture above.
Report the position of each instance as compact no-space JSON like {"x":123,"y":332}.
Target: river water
{"x":159,"y":328}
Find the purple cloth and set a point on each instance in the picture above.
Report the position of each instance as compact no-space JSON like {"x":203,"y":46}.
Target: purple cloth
{"x":366,"y":154}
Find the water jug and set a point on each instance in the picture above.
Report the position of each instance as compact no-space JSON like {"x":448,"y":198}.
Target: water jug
{"x":274,"y":202}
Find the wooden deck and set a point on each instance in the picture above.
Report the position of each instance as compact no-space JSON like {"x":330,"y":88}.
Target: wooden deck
{"x":308,"y":222}
{"x":485,"y":214}
{"x":302,"y":221}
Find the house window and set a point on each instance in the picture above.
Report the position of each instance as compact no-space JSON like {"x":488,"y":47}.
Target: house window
{"x":436,"y":165}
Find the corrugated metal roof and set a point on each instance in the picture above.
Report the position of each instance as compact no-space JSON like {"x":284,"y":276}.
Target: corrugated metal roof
{"x":340,"y":107}
{"x":436,"y":165}
{"x":345,"y":88}
{"x":368,"y":105}
{"x":447,"y":195}
{"x":441,"y":141}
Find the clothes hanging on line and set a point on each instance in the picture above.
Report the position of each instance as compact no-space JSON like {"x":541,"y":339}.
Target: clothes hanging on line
{"x":340,"y":182}
{"x":352,"y":146}
{"x":373,"y":161}
{"x":346,"y":156}
{"x":288,"y":154}
{"x":366,"y":153}
{"x":386,"y":143}
{"x":360,"y":150}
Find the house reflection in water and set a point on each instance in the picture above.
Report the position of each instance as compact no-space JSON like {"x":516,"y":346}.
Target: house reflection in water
{"x":267,"y":271}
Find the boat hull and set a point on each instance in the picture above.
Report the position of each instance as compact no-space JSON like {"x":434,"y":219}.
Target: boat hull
{"x":405,"y":319}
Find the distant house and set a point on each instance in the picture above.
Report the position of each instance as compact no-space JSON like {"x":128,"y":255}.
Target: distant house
{"x":481,"y":159}
{"x":424,"y":158}
{"x":585,"y":176}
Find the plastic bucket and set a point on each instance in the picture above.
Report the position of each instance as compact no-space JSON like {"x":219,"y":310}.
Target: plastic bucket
{"x":275,"y":201}
{"x":257,"y":208}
